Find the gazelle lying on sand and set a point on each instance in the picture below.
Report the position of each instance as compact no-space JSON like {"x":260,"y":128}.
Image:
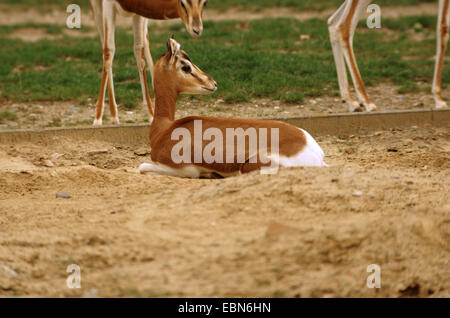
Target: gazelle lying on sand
{"x":175,"y":74}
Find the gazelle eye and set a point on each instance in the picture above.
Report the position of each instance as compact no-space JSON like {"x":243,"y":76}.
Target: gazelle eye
{"x":204,"y":5}
{"x":186,"y":69}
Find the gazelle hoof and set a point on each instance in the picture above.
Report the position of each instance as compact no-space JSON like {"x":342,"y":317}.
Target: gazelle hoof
{"x":116,"y":121}
{"x":353,"y":106}
{"x":370,"y":107}
{"x":441,"y":104}
{"x":97,"y":122}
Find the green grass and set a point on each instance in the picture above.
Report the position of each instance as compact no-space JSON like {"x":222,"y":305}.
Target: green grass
{"x":268,"y":60}
{"x":50,"y":29}
{"x":226,"y":4}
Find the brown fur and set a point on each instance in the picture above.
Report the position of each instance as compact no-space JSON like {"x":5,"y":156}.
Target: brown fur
{"x":152,"y":9}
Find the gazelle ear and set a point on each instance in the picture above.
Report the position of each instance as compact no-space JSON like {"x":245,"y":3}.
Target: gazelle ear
{"x":173,"y":46}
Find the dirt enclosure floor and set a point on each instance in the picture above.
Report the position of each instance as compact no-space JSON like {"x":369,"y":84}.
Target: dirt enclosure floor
{"x":303,"y":232}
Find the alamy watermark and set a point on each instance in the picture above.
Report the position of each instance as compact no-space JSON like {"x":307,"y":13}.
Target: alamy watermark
{"x":74,"y":279}
{"x":374,"y":19}
{"x":231,"y":148}
{"x":74,"y":19}
{"x":374,"y":279}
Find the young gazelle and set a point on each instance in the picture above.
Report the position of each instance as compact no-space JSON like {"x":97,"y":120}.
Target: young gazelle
{"x":186,"y":147}
{"x":342,"y":26}
{"x":190,"y":12}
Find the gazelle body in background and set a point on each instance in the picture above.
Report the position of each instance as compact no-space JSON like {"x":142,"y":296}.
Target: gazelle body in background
{"x":175,"y":74}
{"x":342,"y":26}
{"x":190,"y":12}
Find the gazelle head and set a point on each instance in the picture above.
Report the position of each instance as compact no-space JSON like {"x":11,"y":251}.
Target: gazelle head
{"x":174,"y":69}
{"x":191,"y":12}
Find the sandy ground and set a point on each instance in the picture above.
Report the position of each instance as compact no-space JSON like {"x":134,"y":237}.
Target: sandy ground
{"x":300,"y":233}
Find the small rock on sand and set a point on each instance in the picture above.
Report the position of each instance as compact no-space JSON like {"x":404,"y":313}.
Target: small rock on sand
{"x":141,"y":152}
{"x":48,"y":163}
{"x":8,"y":271}
{"x":63,"y":195}
{"x":97,"y":151}
{"x":357,"y":193}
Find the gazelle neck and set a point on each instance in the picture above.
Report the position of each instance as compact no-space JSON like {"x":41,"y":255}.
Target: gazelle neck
{"x":166,"y":98}
{"x":165,"y":101}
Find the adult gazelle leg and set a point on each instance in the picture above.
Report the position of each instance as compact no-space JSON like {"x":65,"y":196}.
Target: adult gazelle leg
{"x":344,"y":87}
{"x":148,"y":55}
{"x":139,"y":28}
{"x":108,"y":49}
{"x":360,"y":89}
{"x":442,"y":39}
{"x":346,"y":26}
{"x":97,"y":9}
{"x":109,"y":20}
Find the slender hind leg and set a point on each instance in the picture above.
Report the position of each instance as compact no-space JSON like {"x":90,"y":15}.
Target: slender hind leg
{"x":360,"y":89}
{"x":344,"y":88}
{"x":101,"y":99}
{"x":442,"y":39}
{"x":345,"y":22}
{"x":97,"y":9}
{"x":139,"y":28}
{"x":109,"y":19}
{"x":148,"y":55}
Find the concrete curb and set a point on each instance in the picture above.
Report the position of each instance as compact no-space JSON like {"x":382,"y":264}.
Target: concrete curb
{"x":336,"y":124}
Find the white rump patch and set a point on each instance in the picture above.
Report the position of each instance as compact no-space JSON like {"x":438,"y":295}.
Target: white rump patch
{"x":310,"y":156}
